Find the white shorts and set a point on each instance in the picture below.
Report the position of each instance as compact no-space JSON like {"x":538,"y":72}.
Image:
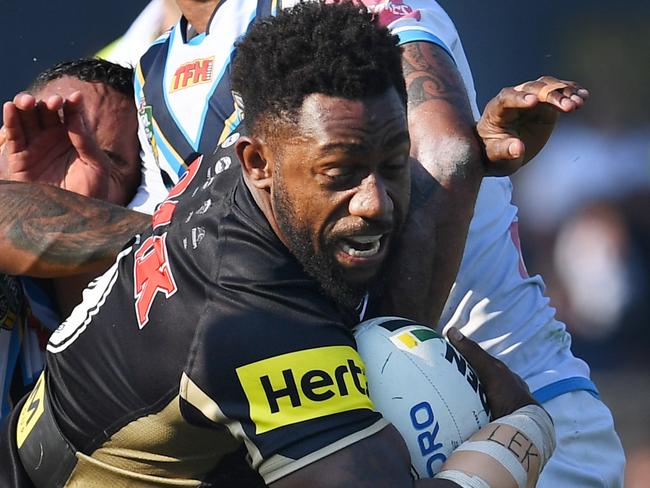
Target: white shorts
{"x":589,"y":453}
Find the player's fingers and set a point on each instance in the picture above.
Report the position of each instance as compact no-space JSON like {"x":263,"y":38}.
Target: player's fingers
{"x":13,"y":131}
{"x":26,"y":105}
{"x":512,"y":98}
{"x":81,"y":137}
{"x":506,"y":391}
{"x":543,"y":85}
{"x":502,"y":110}
{"x":24,"y":101}
{"x":481,"y":361}
{"x":49,"y":111}
{"x":96,"y":162}
{"x":3,"y":156}
{"x":568,"y":98}
{"x":509,"y":149}
{"x":563,"y":94}
{"x":75,"y":122}
{"x":577,"y":91}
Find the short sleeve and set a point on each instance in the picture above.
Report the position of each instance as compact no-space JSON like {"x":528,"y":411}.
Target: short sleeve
{"x":426,"y":21}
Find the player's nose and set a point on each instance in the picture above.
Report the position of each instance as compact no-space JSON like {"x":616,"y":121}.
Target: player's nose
{"x":371,"y":201}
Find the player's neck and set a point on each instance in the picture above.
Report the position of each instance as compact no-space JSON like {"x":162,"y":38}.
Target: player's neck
{"x":263,"y":201}
{"x":198,"y":12}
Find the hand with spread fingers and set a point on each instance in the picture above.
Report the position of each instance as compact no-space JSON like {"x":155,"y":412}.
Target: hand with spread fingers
{"x":517,"y":123}
{"x":47,"y":140}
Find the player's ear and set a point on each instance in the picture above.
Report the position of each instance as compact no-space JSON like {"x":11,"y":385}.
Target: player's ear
{"x":256,"y":165}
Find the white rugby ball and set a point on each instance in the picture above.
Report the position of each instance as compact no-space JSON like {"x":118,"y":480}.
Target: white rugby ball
{"x":423,"y":386}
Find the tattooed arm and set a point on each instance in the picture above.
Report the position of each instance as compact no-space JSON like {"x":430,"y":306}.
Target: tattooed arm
{"x":49,"y":232}
{"x":449,"y":163}
{"x":447,"y":172}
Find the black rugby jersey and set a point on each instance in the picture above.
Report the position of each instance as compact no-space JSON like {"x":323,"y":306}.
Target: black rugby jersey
{"x":205,"y":335}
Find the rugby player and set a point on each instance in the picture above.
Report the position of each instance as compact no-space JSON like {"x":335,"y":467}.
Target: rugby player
{"x":75,"y":128}
{"x":183,"y":95}
{"x":90,"y":148}
{"x":229,"y":322}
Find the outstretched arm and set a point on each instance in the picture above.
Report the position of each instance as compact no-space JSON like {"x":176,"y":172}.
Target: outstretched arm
{"x":447,"y":172}
{"x":450,"y":160}
{"x":49,"y":232}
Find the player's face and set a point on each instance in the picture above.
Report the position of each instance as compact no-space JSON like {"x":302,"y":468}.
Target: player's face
{"x":341,"y":190}
{"x":112,"y":118}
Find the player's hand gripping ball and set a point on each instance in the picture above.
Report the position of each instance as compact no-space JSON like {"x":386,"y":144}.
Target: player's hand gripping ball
{"x":423,"y":386}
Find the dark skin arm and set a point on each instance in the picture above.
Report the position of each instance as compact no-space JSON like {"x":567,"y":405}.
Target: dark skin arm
{"x":46,"y":231}
{"x":382,"y":460}
{"x":446,"y":172}
{"x":449,"y":162}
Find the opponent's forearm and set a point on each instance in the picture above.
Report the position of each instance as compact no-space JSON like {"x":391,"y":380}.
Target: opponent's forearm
{"x":447,"y":177}
{"x":49,"y":232}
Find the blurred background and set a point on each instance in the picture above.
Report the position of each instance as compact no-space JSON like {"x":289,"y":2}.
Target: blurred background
{"x":584,"y":202}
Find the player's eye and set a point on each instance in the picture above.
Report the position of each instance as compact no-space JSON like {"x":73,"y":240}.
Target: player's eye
{"x":339,"y":176}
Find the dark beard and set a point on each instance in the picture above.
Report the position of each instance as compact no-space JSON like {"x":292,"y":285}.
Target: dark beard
{"x":320,"y":266}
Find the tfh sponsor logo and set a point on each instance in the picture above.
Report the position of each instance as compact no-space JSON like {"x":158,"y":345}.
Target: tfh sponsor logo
{"x":193,"y":73}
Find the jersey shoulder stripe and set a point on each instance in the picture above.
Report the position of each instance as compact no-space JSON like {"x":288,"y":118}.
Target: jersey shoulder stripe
{"x":409,"y":34}
{"x":153,"y":66}
{"x":157,"y":49}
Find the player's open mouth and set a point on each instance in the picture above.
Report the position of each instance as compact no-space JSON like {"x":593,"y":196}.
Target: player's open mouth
{"x":362,"y":255}
{"x":362,"y":246}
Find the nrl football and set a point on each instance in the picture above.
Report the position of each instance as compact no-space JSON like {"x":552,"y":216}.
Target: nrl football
{"x":423,"y":386}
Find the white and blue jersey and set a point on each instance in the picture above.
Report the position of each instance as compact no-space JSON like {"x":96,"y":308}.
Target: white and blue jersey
{"x":185,"y":105}
{"x":182,"y":90}
{"x":12,"y":310}
{"x":21,"y":358}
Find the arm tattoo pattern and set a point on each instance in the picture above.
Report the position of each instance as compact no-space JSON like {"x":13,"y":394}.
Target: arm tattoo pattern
{"x":431,"y":74}
{"x":62,"y":228}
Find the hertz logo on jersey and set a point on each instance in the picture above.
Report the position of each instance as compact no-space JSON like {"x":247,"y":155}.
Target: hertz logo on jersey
{"x":192,"y":73}
{"x":304,"y":385}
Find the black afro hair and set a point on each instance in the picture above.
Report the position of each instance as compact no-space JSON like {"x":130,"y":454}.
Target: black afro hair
{"x":333,"y":49}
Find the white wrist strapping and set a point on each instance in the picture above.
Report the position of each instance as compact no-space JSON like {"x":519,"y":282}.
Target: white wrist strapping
{"x":508,"y":452}
{"x":462,"y":479}
{"x":537,"y":424}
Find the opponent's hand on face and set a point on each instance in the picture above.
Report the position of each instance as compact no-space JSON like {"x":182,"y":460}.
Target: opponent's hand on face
{"x":517,"y":123}
{"x":48,"y":141}
{"x":505,"y":390}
